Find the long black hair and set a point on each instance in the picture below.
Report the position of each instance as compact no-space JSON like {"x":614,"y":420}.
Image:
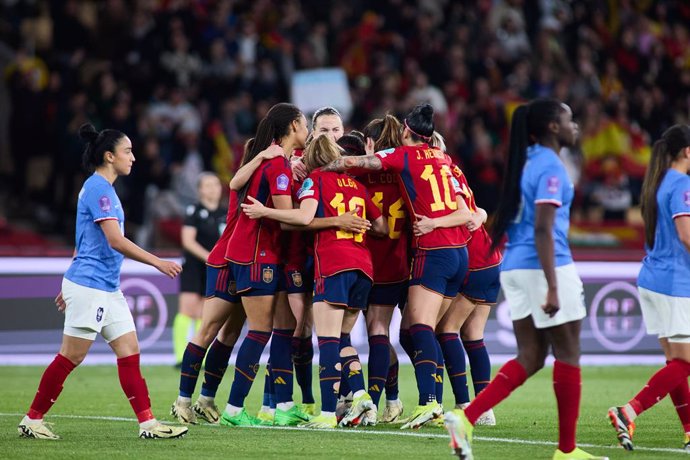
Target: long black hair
{"x":420,"y":122}
{"x":97,"y":143}
{"x":530,"y":124}
{"x":274,"y":126}
{"x":665,"y":150}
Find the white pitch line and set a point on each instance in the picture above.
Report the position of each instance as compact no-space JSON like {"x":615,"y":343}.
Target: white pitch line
{"x":371,"y":432}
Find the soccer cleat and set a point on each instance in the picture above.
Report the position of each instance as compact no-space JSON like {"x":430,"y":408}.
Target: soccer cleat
{"x":343,"y":405}
{"x":308,"y":408}
{"x":265,"y":416}
{"x":369,"y":418}
{"x":37,"y":429}
{"x":321,"y":422}
{"x":160,"y":431}
{"x":623,"y":426}
{"x":423,"y":414}
{"x":291,"y":417}
{"x":686,"y":443}
{"x":576,"y":454}
{"x":360,"y":405}
{"x":487,"y":419}
{"x":242,"y":418}
{"x":206,"y":410}
{"x":392,"y":411}
{"x":183,"y":412}
{"x":460,"y":431}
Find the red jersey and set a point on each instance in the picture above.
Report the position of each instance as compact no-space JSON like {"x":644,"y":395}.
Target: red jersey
{"x":216,"y":258}
{"x":389,"y":254}
{"x":297,"y":244}
{"x":258,"y":241}
{"x":479,"y":247}
{"x":425,"y":183}
{"x":336,"y":250}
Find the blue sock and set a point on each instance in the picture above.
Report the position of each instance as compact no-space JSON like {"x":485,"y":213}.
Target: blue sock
{"x":392,"y":382}
{"x":269,"y":399}
{"x":189,"y":373}
{"x":247,"y":366}
{"x":344,"y":384}
{"x":424,"y":361}
{"x":281,"y":364}
{"x":352,"y":368}
{"x":480,"y":364}
{"x":455,"y":363}
{"x":329,"y":374}
{"x":406,"y":342}
{"x":216,"y":364}
{"x":439,"y":373}
{"x":379,"y":360}
{"x":302,"y":357}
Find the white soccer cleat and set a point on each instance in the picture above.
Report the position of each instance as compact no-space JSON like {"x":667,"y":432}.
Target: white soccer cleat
{"x":360,"y":405}
{"x":37,"y":429}
{"x":487,"y":419}
{"x":369,"y":418}
{"x":182,"y":411}
{"x":392,"y":412}
{"x":160,"y":431}
{"x":343,"y":405}
{"x":206,"y":410}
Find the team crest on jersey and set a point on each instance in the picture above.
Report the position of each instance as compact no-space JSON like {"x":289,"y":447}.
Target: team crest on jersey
{"x":306,"y":189}
{"x":282,"y":182}
{"x":267,"y":275}
{"x":552,"y":184}
{"x":297,"y":279}
{"x":687,"y":198}
{"x":104,"y":203}
{"x":99,"y":314}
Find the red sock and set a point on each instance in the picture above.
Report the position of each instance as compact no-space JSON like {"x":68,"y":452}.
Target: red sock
{"x":680,"y":396}
{"x":134,"y":386}
{"x":51,"y":386}
{"x":662,"y":383}
{"x":508,"y":378}
{"x":567,"y":384}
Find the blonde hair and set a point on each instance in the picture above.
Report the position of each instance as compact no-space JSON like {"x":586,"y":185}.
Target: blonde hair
{"x":320,"y":151}
{"x":438,"y":141}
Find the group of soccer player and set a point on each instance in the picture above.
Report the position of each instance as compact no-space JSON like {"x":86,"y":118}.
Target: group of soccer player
{"x":323,"y":226}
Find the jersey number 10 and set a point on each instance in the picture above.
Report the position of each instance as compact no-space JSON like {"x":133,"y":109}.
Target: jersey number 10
{"x":338,"y":203}
{"x":438,"y":203}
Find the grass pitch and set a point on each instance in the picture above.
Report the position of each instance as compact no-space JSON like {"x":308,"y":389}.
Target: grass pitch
{"x":95,"y":420}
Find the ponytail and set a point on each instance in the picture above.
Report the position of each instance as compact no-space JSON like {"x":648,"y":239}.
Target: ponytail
{"x":385,"y":132}
{"x":97,"y":143}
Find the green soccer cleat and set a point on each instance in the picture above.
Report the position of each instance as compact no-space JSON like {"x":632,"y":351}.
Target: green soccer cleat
{"x":242,"y":418}
{"x":308,"y":408}
{"x":291,"y":417}
{"x":623,"y":426}
{"x":392,"y":411}
{"x":360,"y":405}
{"x":183,"y":412}
{"x":460,"y":431}
{"x":37,"y":429}
{"x":321,"y":422}
{"x":423,"y":414}
{"x":265,"y":416}
{"x":576,"y":454}
{"x":160,"y":431}
{"x":207,"y":410}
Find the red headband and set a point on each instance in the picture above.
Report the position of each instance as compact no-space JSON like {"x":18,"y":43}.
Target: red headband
{"x":413,"y":132}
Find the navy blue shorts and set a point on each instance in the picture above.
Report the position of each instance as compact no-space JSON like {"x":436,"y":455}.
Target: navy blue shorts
{"x":348,"y":289}
{"x":391,"y":294}
{"x":440,"y":270}
{"x":300,"y":280}
{"x":482,"y":286}
{"x":221,"y":283}
{"x":257,"y":279}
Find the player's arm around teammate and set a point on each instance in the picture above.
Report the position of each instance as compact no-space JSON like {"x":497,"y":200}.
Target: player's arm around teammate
{"x":91,"y":297}
{"x":664,"y":281}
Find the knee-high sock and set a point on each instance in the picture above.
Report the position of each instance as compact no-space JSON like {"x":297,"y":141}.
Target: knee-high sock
{"x":567,"y":384}
{"x":424,"y":361}
{"x":281,"y":364}
{"x":392,"y":391}
{"x":680,"y":396}
{"x":406,"y":342}
{"x":662,"y":383}
{"x":302,"y":357}
{"x":189,"y":372}
{"x":508,"y":378}
{"x":329,"y":372}
{"x":344,"y":384}
{"x":379,"y":360}
{"x":352,"y":368}
{"x":50,"y":386}
{"x":440,"y":363}
{"x":247,"y":366}
{"x":269,"y":399}
{"x":480,"y":364}
{"x":216,"y":364}
{"x":180,"y":335}
{"x":455,"y":363}
{"x":134,"y":386}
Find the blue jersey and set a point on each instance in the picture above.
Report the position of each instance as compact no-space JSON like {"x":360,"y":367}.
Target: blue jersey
{"x":544,"y":180}
{"x":666,"y":268}
{"x":96,"y":264}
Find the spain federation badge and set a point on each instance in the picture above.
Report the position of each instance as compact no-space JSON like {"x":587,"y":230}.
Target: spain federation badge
{"x":297,"y":279}
{"x":268,"y":275}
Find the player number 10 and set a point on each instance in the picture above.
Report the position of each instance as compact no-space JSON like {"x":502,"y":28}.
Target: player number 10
{"x":355,"y":202}
{"x":439,"y":204}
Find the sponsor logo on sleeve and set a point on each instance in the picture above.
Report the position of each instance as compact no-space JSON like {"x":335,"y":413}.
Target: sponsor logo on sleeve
{"x":456,"y":185}
{"x":104,"y":203}
{"x":282,"y":182}
{"x":307,"y":188}
{"x":553,"y":184}
{"x":384,"y":153}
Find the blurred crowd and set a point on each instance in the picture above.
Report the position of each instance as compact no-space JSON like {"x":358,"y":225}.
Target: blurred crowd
{"x":189,"y":80}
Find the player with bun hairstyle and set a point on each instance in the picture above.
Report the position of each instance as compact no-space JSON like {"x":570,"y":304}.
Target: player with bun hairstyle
{"x":538,"y":276}
{"x":664,"y":281}
{"x":440,"y":257}
{"x":91,"y":297}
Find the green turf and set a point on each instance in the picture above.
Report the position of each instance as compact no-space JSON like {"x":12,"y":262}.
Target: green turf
{"x":528,"y":415}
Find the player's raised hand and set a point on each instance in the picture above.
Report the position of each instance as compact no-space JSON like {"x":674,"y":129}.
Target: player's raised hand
{"x":255,"y":210}
{"x":369,"y":147}
{"x":351,"y":222}
{"x":299,"y":170}
{"x":169,"y":268}
{"x":423,"y":225}
{"x":272,"y":151}
{"x":60,"y":302}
